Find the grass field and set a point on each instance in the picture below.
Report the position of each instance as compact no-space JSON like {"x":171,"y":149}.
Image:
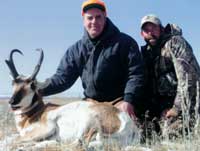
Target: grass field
{"x":8,"y":131}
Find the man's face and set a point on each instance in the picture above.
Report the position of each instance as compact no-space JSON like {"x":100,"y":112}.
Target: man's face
{"x":94,"y":21}
{"x":151,"y":33}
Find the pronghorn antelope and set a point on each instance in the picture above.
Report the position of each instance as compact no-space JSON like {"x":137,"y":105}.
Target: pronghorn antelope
{"x":88,"y":122}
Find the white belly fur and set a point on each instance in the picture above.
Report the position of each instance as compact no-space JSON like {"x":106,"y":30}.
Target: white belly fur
{"x":73,"y":119}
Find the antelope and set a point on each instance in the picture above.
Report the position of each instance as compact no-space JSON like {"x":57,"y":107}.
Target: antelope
{"x":89,"y":122}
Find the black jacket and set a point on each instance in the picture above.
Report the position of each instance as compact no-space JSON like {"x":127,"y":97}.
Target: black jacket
{"x":109,"y":68}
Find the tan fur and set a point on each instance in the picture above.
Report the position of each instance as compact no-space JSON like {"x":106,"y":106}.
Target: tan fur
{"x":118,"y":103}
{"x":34,"y":134}
{"x":36,"y":122}
{"x":107,"y":116}
{"x":106,"y":102}
{"x":89,"y":134}
{"x":39,"y":115}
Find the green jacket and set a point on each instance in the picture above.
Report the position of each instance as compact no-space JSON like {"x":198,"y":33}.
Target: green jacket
{"x":172,"y":70}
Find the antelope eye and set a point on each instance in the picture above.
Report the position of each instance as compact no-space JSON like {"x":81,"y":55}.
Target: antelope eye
{"x":15,"y":81}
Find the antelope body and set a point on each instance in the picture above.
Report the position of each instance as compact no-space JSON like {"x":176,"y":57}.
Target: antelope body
{"x":87,"y":121}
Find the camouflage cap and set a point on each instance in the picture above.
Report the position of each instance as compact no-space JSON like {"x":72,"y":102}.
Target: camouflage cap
{"x":151,"y":19}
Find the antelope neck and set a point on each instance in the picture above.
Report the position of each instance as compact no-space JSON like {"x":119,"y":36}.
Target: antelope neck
{"x":37,"y":106}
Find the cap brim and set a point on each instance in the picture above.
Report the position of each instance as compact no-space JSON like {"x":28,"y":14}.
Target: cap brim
{"x":93,"y":6}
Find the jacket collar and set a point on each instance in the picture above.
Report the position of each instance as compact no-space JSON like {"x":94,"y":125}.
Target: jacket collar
{"x":168,"y":31}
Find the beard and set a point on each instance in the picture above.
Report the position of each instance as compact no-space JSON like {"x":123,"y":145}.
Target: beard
{"x":151,"y":40}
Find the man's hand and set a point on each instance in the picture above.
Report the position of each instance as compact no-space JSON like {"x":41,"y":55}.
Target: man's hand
{"x":169,"y":113}
{"x":126,"y":107}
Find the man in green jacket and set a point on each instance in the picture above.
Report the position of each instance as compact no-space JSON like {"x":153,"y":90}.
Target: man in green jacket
{"x":171,"y":68}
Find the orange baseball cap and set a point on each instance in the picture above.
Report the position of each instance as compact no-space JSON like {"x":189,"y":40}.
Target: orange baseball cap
{"x":93,"y":4}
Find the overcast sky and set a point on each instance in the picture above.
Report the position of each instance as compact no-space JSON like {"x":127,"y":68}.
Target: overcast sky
{"x":55,"y":25}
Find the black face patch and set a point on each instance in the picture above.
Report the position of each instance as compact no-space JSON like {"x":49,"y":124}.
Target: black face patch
{"x":16,"y":98}
{"x":33,"y":86}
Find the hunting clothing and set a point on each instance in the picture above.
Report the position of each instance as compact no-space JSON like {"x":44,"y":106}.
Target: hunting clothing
{"x":172,"y":72}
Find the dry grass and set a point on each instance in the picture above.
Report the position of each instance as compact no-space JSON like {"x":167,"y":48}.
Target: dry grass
{"x":7,"y":129}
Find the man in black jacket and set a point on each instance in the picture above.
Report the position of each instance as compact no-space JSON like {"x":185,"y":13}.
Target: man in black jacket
{"x":107,"y":61}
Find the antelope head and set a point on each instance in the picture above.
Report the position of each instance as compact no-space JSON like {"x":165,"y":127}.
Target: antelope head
{"x":25,"y":94}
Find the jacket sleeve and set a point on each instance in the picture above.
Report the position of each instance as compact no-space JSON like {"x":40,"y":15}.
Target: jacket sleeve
{"x":187,"y":72}
{"x":135,"y":75}
{"x":65,"y":76}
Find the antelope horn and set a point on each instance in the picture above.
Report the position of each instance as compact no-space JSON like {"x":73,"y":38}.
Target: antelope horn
{"x":11,"y":64}
{"x":37,"y":67}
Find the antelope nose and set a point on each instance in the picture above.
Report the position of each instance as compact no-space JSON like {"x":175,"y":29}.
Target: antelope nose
{"x":11,"y":101}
